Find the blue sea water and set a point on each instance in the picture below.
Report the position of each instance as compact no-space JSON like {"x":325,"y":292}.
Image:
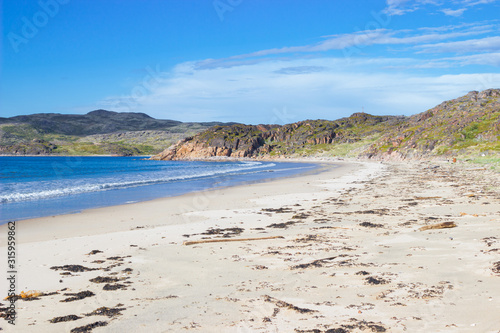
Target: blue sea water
{"x":43,"y":186}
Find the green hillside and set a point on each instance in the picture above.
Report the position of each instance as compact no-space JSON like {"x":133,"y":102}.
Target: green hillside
{"x":98,"y":132}
{"x":466,"y":127}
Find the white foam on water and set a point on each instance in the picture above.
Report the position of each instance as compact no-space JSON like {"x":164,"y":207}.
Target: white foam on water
{"x":39,"y":190}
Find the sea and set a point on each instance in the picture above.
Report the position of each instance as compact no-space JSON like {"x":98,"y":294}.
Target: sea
{"x":53,"y":185}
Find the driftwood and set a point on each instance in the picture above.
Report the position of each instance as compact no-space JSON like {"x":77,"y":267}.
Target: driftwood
{"x":442,"y":225}
{"x":316,"y":263}
{"x":283,"y":304}
{"x":228,"y":240}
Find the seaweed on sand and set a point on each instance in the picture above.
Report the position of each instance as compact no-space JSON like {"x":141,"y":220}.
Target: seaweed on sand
{"x":89,"y":327}
{"x":77,"y":296}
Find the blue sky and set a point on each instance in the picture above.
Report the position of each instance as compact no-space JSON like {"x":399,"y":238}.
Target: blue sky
{"x":249,"y":61}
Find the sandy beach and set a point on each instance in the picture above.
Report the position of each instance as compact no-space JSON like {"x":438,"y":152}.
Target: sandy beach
{"x":341,"y":250}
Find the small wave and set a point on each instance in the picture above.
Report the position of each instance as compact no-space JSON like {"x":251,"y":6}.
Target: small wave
{"x":53,"y":189}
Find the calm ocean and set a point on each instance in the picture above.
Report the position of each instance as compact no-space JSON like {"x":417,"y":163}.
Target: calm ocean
{"x":44,"y":186}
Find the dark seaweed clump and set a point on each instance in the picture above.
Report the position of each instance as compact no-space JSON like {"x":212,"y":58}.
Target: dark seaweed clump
{"x":64,"y":318}
{"x":283,"y":225}
{"x":78,"y":296}
{"x":278,"y":210}
{"x":227,"y":232}
{"x":372,"y":280}
{"x":114,"y":286}
{"x":103,"y":279}
{"x":496,"y":267}
{"x":89,"y":327}
{"x":73,"y":268}
{"x":105,"y":311}
{"x":371,"y":225}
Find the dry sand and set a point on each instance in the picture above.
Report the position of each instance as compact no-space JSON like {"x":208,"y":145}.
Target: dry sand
{"x":352,"y":257}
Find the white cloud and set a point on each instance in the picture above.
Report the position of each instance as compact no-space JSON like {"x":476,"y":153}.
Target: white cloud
{"x":398,"y":7}
{"x":354,"y":43}
{"x":454,"y":12}
{"x":491,"y":59}
{"x":488,"y":44}
{"x":483,"y":59}
{"x":472,"y":3}
{"x":328,"y":79}
{"x":327,"y":88}
{"x":401,"y":7}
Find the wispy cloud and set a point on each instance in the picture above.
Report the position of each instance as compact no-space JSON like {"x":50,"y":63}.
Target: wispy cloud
{"x":453,"y":12}
{"x":472,"y":3}
{"x":301,"y":70}
{"x":488,"y":44}
{"x":349,"y":43}
{"x":483,"y":59}
{"x":333,"y":77}
{"x":402,"y":7}
{"x":324,"y":87}
{"x":488,"y":59}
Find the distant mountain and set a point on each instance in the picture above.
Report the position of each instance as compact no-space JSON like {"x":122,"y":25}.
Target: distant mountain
{"x":94,"y":122}
{"x":97,"y":132}
{"x":467,"y":126}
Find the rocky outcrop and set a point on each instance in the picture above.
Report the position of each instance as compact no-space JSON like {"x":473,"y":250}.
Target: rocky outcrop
{"x":309,"y":131}
{"x":229,"y":141}
{"x":34,"y":147}
{"x":269,"y":140}
{"x":469,"y":124}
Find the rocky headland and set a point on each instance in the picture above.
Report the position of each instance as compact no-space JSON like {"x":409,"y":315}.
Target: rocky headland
{"x":469,"y":125}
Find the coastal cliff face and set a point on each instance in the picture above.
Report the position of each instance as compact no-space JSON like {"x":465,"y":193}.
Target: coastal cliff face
{"x":274,"y":140}
{"x":235,"y":141}
{"x":465,"y":126}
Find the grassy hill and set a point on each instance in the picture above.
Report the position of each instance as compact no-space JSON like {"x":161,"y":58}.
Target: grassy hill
{"x":97,"y":132}
{"x":466,"y":127}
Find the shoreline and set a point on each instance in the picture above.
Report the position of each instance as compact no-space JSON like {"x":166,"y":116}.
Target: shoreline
{"x":176,"y":205}
{"x":54,"y":155}
{"x":239,"y":180}
{"x":341,"y":249}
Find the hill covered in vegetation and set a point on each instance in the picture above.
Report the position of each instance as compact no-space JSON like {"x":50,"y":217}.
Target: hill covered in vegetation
{"x":466,"y":126}
{"x":97,"y":132}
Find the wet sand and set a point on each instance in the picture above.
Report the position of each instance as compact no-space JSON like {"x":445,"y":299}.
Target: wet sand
{"x":338,"y":251}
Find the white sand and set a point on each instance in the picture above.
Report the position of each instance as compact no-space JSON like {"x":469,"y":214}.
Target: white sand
{"x":432,"y":281}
